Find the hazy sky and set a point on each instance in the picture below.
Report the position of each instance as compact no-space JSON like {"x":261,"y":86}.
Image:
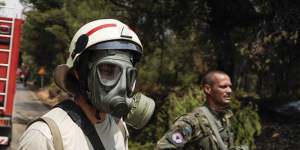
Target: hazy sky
{"x":12,"y":12}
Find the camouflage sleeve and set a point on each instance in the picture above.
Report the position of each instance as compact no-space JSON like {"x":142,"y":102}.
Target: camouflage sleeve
{"x":184,"y":130}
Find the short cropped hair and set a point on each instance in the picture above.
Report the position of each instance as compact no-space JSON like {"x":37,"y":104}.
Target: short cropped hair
{"x":208,"y":77}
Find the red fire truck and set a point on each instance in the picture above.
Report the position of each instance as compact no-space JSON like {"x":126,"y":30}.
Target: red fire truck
{"x":10,"y":32}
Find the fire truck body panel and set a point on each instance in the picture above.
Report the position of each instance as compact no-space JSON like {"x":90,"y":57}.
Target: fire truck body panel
{"x":10,"y":34}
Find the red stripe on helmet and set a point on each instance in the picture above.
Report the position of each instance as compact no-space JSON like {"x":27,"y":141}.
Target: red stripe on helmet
{"x":99,"y":28}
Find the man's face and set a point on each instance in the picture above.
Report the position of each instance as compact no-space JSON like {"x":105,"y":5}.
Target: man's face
{"x":220,"y":90}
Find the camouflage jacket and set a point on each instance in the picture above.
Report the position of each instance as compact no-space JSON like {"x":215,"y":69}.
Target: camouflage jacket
{"x":192,"y":131}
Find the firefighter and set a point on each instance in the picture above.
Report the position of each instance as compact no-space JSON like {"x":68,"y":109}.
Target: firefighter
{"x":100,"y":74}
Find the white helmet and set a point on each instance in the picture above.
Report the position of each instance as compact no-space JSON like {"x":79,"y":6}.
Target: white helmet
{"x":103,"y":34}
{"x":100,"y":34}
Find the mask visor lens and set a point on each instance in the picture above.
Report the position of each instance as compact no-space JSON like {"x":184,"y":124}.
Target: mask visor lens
{"x":108,"y":73}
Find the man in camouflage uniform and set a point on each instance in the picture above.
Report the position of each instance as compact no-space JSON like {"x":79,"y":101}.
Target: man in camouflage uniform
{"x":207,"y":127}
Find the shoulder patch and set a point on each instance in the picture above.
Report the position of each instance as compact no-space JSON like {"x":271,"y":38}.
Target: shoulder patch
{"x":176,"y":138}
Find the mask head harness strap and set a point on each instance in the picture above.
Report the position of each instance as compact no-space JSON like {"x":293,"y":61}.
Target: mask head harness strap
{"x":80,"y":45}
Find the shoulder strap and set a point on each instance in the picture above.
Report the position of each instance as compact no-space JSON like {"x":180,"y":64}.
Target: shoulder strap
{"x":79,"y":117}
{"x":214,"y":127}
{"x":57,"y":140}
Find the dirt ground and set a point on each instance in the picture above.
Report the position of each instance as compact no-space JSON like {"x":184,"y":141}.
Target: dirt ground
{"x":279,"y":133}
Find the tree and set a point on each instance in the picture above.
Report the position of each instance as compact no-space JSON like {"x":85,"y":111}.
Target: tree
{"x":50,"y":25}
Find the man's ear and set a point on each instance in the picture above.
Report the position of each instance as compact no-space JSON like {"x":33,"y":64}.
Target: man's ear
{"x":207,"y":89}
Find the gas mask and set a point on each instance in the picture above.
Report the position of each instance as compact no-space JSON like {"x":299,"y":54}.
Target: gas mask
{"x":111,"y":82}
{"x":107,"y":76}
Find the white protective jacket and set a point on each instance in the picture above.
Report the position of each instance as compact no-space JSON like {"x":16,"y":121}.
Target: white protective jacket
{"x":38,"y":135}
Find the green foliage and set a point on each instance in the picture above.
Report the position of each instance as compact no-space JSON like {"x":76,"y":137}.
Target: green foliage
{"x":138,"y":146}
{"x":2,"y":3}
{"x":182,"y":101}
{"x":246,"y":124}
{"x":40,"y":39}
{"x":44,"y":5}
{"x":80,"y":12}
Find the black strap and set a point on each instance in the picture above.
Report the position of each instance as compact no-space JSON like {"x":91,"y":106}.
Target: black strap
{"x":79,"y":117}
